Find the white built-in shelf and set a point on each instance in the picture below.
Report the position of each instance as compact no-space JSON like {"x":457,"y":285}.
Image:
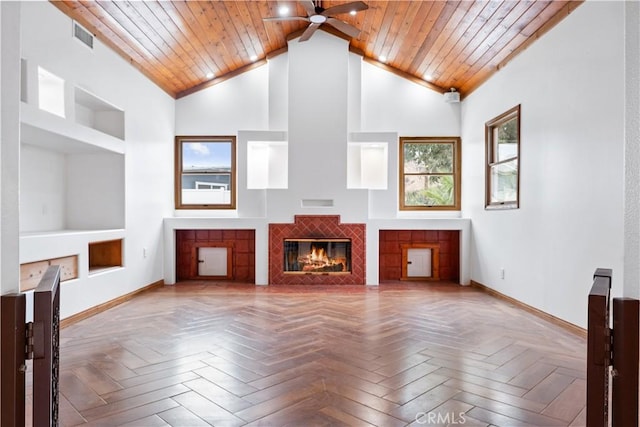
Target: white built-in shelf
{"x":71,"y":175}
{"x":90,"y":234}
{"x":96,"y":113}
{"x":95,"y":271}
{"x":35,"y":246}
{"x":49,"y":131}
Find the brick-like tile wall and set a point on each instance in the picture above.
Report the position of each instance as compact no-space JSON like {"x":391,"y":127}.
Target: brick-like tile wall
{"x":316,"y":226}
{"x":241,"y":242}
{"x":390,"y":261}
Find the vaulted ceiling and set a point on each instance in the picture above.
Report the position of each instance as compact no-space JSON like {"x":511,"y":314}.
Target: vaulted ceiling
{"x":440,"y":44}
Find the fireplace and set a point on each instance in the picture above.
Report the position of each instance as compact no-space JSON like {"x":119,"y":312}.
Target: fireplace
{"x":317,"y":256}
{"x":317,"y":250}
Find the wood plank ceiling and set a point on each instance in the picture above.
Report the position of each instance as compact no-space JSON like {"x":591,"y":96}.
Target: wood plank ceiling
{"x":441,"y":44}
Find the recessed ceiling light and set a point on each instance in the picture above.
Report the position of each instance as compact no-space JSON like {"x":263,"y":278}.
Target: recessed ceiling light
{"x":284,"y":10}
{"x":428,"y":77}
{"x":382,"y":58}
{"x":253,"y":57}
{"x":352,"y":13}
{"x":210,"y":75}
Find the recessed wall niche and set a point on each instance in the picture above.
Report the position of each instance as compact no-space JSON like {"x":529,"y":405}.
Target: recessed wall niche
{"x":68,"y":190}
{"x":367,"y":165}
{"x":267,"y":164}
{"x":105,"y":255}
{"x":98,"y":114}
{"x":50,"y":93}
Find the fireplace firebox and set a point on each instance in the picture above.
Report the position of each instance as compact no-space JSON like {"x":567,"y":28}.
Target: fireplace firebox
{"x":317,"y":256}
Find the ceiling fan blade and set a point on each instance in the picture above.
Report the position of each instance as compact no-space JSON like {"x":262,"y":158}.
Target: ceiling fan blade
{"x":348,"y":29}
{"x":308,"y":32}
{"x":286,"y":18}
{"x":309,"y":7}
{"x":345,"y":8}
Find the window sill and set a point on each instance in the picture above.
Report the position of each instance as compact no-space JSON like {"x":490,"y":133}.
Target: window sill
{"x":502,"y":206}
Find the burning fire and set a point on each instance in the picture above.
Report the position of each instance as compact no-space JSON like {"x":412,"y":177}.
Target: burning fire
{"x":318,"y":255}
{"x":318,"y":258}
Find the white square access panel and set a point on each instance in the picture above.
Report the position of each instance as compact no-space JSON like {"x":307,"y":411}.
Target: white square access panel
{"x":419,"y":262}
{"x":212,"y":261}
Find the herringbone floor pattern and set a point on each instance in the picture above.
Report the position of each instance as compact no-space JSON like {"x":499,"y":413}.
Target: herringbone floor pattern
{"x":199,"y":354}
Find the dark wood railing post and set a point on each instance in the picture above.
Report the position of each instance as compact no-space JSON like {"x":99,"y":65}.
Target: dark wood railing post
{"x":46,"y":349}
{"x":12,"y":363}
{"x":598,"y":350}
{"x":624,"y":393}
{"x":38,"y":340}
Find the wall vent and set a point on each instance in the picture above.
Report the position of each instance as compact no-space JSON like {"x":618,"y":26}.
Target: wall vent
{"x":81,"y":33}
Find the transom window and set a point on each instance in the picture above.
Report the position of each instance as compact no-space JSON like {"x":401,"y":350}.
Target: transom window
{"x":503,"y":157}
{"x":205,"y":175}
{"x":430,"y":173}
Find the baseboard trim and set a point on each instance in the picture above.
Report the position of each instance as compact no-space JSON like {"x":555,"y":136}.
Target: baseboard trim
{"x":107,"y":305}
{"x":568,"y":326}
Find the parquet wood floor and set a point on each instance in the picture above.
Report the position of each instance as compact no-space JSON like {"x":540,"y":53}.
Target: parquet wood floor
{"x":198,"y":354}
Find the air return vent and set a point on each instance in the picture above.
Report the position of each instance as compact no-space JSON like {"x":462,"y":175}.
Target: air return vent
{"x":80,"y":33}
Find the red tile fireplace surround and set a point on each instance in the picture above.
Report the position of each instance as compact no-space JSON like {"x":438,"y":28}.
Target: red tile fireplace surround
{"x":316,"y":227}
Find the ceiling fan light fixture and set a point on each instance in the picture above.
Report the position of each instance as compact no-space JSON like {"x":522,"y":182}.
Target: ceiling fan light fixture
{"x":318,"y":19}
{"x":317,"y":16}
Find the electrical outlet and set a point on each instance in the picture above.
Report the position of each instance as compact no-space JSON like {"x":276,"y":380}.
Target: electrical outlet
{"x":502,"y":273}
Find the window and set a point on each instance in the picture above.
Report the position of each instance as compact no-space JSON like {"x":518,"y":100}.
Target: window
{"x":430,"y":173}
{"x":205,"y":172}
{"x":502,"y":136}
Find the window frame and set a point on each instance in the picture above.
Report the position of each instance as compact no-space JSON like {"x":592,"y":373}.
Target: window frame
{"x":455,"y":141}
{"x":178,"y":172}
{"x":490,"y":156}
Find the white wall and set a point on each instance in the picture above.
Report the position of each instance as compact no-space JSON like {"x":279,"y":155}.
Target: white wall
{"x":238,"y":103}
{"x":570,"y":84}
{"x":391,"y":103}
{"x":9,"y":146}
{"x":278,"y":69}
{"x":632,"y":151}
{"x":146,"y":178}
{"x":42,"y":189}
{"x":98,"y":181}
{"x":317,"y":133}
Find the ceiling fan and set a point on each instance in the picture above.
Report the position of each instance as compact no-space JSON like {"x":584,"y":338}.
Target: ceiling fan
{"x":317,"y":15}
